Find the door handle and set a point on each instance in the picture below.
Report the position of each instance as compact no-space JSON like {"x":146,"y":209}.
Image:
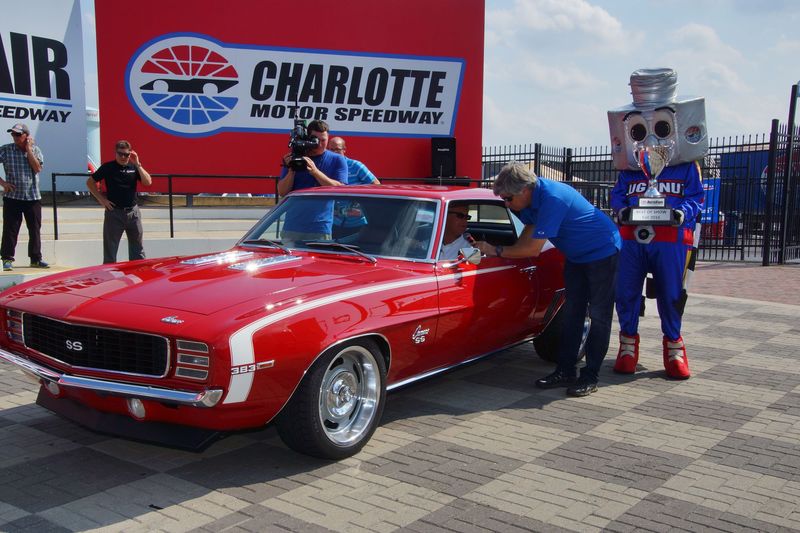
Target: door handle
{"x":528,"y":270}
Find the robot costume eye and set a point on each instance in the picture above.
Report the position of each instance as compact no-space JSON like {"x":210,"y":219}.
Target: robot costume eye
{"x":638,"y":132}
{"x":662,"y":129}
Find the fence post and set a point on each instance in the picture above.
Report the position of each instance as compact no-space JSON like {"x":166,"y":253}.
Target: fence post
{"x":537,"y":158}
{"x":55,"y":209}
{"x":568,"y":164}
{"x":769,"y":207}
{"x":787,"y":171}
{"x":171,"y":219}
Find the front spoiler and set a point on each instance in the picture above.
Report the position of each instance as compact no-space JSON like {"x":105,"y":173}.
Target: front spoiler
{"x":204,"y":398}
{"x":173,"y":435}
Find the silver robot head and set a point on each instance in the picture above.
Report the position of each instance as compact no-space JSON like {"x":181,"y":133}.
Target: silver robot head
{"x":657,"y":117}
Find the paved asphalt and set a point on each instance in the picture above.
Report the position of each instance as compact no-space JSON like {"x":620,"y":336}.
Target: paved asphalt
{"x":479,"y":449}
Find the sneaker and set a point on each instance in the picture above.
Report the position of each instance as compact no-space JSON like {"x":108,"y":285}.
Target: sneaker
{"x":39,"y":264}
{"x":582,"y":388}
{"x":556,"y":379}
{"x":8,"y":265}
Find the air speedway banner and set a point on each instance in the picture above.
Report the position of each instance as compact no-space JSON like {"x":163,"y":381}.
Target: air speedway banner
{"x":217,"y":92}
{"x":42,"y":83}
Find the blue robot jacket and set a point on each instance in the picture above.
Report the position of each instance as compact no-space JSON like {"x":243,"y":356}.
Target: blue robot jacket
{"x":680,"y":185}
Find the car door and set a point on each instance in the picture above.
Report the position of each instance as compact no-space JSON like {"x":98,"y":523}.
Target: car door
{"x":490,"y":305}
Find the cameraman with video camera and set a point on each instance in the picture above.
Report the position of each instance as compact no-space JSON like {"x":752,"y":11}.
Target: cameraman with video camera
{"x":310,"y":164}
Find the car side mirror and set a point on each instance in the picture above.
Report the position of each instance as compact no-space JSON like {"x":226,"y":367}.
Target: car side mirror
{"x":466,"y":255}
{"x":470,"y":255}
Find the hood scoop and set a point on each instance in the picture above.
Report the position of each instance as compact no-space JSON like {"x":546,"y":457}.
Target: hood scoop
{"x":257,"y":264}
{"x":221,"y":258}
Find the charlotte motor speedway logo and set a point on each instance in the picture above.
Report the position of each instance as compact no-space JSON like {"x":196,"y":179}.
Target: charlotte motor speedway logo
{"x":193,"y":85}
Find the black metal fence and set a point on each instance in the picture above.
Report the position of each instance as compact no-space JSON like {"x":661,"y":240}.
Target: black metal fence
{"x":752,"y":206}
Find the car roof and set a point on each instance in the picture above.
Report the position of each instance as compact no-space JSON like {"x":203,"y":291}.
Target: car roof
{"x":436,"y":192}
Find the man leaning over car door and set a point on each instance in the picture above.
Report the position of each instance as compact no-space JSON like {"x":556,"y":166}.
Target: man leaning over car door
{"x":590,"y":242}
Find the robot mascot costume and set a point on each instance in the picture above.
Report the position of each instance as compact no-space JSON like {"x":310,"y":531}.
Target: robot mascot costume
{"x":656,"y":142}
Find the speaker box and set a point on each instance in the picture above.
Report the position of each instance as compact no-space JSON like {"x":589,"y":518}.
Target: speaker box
{"x":443,"y":157}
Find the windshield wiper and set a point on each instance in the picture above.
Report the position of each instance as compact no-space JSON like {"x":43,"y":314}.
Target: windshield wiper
{"x":274,"y":244}
{"x":348,"y":247}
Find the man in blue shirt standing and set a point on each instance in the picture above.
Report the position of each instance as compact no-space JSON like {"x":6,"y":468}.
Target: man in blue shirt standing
{"x":357,"y":172}
{"x":323,"y":168}
{"x":347,"y":217}
{"x":590,"y":243}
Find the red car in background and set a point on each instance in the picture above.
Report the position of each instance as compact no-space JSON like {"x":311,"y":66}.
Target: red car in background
{"x":306,"y":334}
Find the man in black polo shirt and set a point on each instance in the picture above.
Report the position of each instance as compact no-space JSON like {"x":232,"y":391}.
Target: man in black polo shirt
{"x":121,"y":211}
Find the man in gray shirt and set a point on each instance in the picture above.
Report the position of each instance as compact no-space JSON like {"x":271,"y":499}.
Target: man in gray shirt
{"x":22,"y":161}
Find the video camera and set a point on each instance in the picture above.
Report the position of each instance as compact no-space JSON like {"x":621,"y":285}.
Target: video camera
{"x":300,"y":142}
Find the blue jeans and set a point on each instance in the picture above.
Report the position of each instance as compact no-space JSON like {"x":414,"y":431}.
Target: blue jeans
{"x":589,"y":285}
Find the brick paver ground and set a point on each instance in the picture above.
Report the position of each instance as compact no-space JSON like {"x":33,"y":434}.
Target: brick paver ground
{"x":478,"y":449}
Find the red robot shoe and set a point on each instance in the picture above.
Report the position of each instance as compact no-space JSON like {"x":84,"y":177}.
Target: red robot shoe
{"x":628,"y":354}
{"x":675,"y":361}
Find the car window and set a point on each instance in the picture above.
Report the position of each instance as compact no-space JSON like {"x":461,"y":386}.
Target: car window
{"x":494,"y":223}
{"x":379,"y":226}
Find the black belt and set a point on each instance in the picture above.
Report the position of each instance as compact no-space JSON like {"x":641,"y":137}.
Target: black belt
{"x":127,"y":209}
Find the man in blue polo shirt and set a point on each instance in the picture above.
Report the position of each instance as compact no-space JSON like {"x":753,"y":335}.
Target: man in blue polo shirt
{"x":590,"y":242}
{"x":323,"y":168}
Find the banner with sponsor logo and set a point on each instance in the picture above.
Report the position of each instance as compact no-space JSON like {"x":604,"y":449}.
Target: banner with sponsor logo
{"x":42,"y":85}
{"x":217,"y":92}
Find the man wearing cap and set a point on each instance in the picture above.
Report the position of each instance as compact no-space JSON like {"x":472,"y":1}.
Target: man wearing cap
{"x":22,"y":161}
{"x":121,"y":212}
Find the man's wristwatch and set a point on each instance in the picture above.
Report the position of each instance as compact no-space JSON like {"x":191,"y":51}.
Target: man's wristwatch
{"x":498,"y":251}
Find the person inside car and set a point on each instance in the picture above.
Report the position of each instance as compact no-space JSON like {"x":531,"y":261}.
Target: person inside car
{"x":455,"y":232}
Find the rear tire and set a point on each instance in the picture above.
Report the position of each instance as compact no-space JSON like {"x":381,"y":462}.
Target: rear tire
{"x":548,"y":342}
{"x":339,"y":403}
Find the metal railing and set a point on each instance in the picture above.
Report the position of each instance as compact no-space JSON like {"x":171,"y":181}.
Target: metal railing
{"x":170,"y":191}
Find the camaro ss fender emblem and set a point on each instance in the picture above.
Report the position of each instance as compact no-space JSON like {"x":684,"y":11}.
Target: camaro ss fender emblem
{"x":75,"y":346}
{"x":252,"y":367}
{"x":420,"y":335}
{"x":172,"y":320}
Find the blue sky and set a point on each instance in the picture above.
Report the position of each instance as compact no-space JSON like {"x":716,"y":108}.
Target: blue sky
{"x":554,"y":67}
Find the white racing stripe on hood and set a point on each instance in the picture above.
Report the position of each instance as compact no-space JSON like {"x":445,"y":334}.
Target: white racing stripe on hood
{"x":241,"y":342}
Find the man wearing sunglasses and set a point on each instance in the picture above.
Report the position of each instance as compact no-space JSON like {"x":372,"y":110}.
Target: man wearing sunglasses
{"x":22,"y":161}
{"x":590,"y":242}
{"x":121,"y":177}
{"x":455,"y":232}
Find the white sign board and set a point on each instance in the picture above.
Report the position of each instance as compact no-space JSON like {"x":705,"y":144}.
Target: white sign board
{"x":42,"y":85}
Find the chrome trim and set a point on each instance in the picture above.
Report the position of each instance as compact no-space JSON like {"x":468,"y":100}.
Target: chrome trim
{"x":431,"y":373}
{"x":191,"y":373}
{"x":200,"y":360}
{"x":204,"y":398}
{"x":264,"y":262}
{"x":192,"y":346}
{"x":167,"y":368}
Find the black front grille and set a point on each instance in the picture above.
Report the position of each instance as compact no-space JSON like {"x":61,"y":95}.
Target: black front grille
{"x":97,"y":348}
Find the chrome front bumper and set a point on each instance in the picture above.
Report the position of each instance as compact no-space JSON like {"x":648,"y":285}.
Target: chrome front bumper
{"x":205,"y":398}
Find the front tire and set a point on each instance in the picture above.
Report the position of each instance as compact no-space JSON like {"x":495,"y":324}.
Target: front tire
{"x":339,"y":403}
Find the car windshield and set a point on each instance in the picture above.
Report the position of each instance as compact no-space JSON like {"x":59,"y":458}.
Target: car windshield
{"x":376,"y":226}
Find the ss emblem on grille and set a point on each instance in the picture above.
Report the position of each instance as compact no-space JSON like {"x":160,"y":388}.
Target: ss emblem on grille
{"x":75,"y":346}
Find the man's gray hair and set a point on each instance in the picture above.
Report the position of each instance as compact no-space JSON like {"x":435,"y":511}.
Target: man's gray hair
{"x":513,"y":179}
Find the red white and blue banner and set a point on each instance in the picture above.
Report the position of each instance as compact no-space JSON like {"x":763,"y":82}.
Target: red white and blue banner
{"x":42,"y":83}
{"x":202,"y":89}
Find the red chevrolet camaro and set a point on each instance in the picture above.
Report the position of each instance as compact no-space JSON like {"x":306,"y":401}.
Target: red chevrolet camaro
{"x":306,"y":333}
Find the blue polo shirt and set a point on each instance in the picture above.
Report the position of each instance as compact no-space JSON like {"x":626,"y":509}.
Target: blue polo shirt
{"x":582,"y":232}
{"x":316,"y":215}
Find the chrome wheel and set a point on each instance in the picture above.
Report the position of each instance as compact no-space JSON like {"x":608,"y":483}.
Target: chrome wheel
{"x":349,"y":395}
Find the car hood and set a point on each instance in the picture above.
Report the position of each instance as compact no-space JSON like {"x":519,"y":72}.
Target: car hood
{"x":207,"y":284}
